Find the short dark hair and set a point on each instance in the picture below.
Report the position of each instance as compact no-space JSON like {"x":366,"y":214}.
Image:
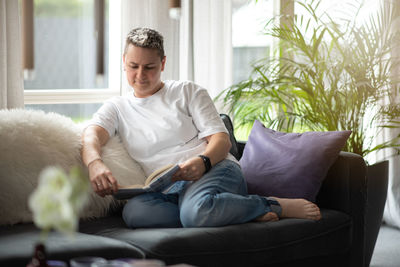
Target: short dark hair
{"x":146,"y":38}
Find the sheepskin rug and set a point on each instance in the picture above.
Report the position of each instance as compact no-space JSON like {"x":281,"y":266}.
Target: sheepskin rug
{"x":31,"y":140}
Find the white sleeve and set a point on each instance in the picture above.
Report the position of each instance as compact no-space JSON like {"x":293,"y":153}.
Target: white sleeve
{"x":202,"y":109}
{"x":106,"y":117}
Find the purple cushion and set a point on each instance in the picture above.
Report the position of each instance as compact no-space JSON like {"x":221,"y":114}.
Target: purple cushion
{"x":289,"y":165}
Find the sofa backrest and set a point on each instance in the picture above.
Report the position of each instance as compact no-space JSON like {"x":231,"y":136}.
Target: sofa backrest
{"x":228,"y":124}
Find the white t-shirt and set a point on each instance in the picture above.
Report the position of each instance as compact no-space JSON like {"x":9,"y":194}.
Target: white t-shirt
{"x":165,"y":128}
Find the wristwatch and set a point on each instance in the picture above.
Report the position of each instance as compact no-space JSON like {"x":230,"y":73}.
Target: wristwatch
{"x":206,"y":161}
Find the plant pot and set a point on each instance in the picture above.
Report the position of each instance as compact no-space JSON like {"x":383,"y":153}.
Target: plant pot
{"x":39,"y":258}
{"x":377,"y":186}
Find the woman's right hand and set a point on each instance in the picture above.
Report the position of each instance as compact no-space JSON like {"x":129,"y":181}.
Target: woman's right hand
{"x":101,"y":178}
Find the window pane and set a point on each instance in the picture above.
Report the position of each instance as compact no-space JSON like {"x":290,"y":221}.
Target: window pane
{"x":65,"y":45}
{"x":77,"y":112}
{"x":342,"y":10}
{"x":248,"y":41}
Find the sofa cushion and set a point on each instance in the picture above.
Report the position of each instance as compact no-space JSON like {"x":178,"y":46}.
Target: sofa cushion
{"x":290,"y":165}
{"x":249,"y":244}
{"x":17,"y":245}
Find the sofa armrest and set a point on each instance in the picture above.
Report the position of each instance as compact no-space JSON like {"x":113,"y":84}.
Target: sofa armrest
{"x":345,"y":186}
{"x":345,"y":189}
{"x":359,"y":191}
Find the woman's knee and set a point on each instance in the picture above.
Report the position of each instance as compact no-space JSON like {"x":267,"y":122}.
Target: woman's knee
{"x":135,"y":211}
{"x":151,"y":210}
{"x":200,"y":214}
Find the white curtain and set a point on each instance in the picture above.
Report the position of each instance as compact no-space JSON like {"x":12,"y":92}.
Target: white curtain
{"x":391,"y":214}
{"x":392,"y":208}
{"x":11,"y":76}
{"x":206,"y":43}
{"x":186,"y":58}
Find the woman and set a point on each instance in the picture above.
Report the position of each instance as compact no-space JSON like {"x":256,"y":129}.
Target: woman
{"x":164,"y":122}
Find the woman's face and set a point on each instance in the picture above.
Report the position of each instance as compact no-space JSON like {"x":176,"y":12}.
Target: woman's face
{"x":143,"y":70}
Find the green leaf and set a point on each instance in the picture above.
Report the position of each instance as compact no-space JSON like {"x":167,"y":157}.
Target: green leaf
{"x":333,"y":76}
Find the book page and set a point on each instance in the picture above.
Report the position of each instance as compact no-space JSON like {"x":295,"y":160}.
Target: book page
{"x":157,"y":173}
{"x":131,"y":186}
{"x":158,"y":181}
{"x":163,"y":180}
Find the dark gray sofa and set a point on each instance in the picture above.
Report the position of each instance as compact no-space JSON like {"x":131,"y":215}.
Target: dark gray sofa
{"x":345,"y":236}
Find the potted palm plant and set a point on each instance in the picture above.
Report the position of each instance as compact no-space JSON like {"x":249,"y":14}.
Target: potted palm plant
{"x":331,"y":77}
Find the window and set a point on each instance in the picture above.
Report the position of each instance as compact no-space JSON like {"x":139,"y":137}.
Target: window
{"x":65,"y":51}
{"x":250,"y":17}
{"x":249,"y":43}
{"x":342,"y":10}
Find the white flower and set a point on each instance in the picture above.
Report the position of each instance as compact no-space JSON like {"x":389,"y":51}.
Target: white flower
{"x":58,"y":199}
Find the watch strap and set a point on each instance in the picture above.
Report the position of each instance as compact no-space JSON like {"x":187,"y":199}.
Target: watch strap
{"x":206,"y":161}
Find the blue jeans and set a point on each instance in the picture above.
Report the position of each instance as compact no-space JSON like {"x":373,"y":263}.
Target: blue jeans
{"x":218,"y":198}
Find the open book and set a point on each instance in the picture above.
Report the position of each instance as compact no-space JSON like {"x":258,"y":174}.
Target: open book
{"x":160,"y":180}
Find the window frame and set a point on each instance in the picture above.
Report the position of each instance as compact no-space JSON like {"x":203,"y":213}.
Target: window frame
{"x":78,"y":96}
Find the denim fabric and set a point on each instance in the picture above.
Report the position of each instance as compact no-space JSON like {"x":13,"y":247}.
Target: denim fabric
{"x":218,"y":198}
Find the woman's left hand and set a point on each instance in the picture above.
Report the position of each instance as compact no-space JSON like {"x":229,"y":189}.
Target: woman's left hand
{"x":190,"y":170}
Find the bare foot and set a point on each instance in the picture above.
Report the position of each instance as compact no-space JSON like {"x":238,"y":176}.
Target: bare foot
{"x":298,"y":208}
{"x":268,"y":217}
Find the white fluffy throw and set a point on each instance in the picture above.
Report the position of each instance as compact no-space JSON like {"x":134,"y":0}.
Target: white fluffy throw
{"x":30,"y":141}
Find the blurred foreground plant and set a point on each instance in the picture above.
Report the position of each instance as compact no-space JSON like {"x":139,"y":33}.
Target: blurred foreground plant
{"x":58,"y":200}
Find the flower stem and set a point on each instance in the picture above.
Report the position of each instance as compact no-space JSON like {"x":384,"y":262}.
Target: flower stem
{"x":44,"y":234}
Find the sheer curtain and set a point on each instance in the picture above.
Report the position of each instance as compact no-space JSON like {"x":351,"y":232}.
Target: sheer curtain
{"x":11,"y":78}
{"x":392,"y":208}
{"x":206,"y":43}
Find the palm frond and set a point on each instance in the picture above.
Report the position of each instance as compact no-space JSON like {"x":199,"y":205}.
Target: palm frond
{"x":332,"y":77}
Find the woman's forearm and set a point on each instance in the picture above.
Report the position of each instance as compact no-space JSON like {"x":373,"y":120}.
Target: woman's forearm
{"x":93,"y":139}
{"x":218,"y":147}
